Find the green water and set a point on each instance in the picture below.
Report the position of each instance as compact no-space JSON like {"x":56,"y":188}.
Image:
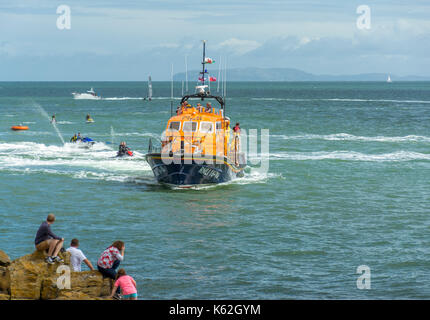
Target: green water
{"x":347,"y":185}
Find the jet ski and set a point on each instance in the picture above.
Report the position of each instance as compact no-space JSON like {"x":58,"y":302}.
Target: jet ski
{"x":88,"y":142}
{"x":127,"y":153}
{"x":124,"y":151}
{"x":84,"y":142}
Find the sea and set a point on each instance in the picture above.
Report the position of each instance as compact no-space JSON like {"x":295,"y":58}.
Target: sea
{"x":337,"y":207}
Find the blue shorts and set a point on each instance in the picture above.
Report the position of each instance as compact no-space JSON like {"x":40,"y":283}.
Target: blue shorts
{"x":128,"y":296}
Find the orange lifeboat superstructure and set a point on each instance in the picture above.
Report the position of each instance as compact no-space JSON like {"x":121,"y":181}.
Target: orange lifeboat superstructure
{"x":197,"y":130}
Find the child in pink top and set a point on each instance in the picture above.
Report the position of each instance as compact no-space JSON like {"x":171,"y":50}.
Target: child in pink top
{"x":127,"y":285}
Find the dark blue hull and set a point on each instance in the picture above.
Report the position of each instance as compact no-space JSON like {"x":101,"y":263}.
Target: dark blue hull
{"x":185,"y":171}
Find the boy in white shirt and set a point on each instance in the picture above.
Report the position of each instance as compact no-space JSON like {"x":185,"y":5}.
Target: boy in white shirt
{"x":77,"y":256}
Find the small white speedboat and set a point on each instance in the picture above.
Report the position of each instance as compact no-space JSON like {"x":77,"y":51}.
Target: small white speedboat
{"x":90,"y":94}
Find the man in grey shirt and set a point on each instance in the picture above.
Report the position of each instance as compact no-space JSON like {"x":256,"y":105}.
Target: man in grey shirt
{"x":46,"y":239}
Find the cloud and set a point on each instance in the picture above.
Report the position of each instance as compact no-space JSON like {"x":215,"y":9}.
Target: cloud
{"x":237,"y":46}
{"x":383,"y":49}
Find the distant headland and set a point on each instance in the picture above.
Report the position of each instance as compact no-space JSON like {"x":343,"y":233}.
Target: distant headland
{"x":291,"y":74}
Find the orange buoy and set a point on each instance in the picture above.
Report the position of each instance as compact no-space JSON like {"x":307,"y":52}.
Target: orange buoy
{"x":19,"y":128}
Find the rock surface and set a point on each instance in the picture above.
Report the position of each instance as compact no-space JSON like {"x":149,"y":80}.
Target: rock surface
{"x":30,"y":277}
{"x":4,"y":259}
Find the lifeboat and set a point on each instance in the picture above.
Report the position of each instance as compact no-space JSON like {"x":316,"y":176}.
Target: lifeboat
{"x":198,"y":146}
{"x":17,"y":128}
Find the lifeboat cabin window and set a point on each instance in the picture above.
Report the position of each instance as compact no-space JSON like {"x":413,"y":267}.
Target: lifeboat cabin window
{"x":206,"y":127}
{"x":218,"y":126}
{"x":174,"y":126}
{"x":190,"y":126}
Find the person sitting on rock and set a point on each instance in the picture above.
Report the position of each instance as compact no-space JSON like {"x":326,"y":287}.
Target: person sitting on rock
{"x":110,"y":259}
{"x":47,"y":240}
{"x":127,"y":284}
{"x":77,"y":256}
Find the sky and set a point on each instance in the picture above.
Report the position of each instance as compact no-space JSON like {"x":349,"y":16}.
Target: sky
{"x":130,"y":39}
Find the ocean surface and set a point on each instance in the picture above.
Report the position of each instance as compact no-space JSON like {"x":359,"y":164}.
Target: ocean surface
{"x":347,"y":185}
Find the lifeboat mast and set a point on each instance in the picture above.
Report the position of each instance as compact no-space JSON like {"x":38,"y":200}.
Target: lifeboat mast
{"x":200,"y":89}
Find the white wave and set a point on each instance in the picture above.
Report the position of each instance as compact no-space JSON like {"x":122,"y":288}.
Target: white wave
{"x":36,"y":133}
{"x":85,"y":96}
{"x":138,"y":134}
{"x":102,"y":176}
{"x":65,"y":122}
{"x":253,"y":177}
{"x":166,"y":98}
{"x":350,"y":156}
{"x":256,"y":176}
{"x":124,"y":98}
{"x":350,"y":137}
{"x":83,"y":174}
{"x":113,"y":164}
{"x":378,"y":100}
{"x":71,"y":156}
{"x":342,"y":99}
{"x":140,"y":98}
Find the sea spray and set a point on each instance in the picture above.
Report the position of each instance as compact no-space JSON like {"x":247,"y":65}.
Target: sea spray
{"x":43,"y":112}
{"x":112,"y":134}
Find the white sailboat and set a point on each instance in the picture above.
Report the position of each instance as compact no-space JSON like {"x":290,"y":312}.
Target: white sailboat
{"x":149,"y":89}
{"x":389,"y":79}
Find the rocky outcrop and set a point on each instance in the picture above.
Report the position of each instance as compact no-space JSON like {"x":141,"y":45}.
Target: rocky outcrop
{"x":4,"y":259}
{"x":30,"y":277}
{"x":4,"y":276}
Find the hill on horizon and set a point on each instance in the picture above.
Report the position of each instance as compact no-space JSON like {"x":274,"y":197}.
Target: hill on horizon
{"x":291,"y":74}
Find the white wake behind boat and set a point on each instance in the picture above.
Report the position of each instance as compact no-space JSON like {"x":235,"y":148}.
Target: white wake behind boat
{"x":90,"y":94}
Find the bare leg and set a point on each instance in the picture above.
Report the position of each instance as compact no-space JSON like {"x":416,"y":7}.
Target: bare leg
{"x":58,"y":247}
{"x":52,"y":244}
